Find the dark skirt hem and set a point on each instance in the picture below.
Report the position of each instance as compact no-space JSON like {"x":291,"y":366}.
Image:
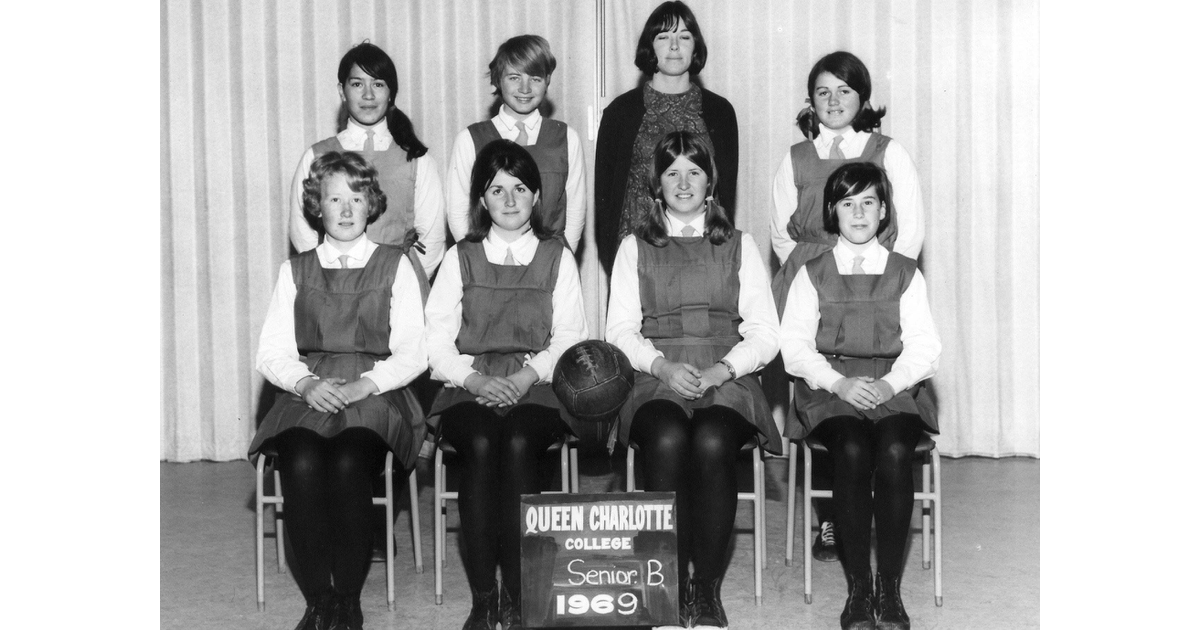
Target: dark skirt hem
{"x":810,"y":407}
{"x":743,"y":396}
{"x":395,"y":416}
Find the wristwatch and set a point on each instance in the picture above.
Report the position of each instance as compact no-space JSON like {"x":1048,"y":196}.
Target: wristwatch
{"x":728,"y":366}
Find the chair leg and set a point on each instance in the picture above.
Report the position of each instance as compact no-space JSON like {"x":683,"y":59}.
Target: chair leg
{"x":258,"y":531}
{"x":925,"y":514}
{"x":791,"y":505}
{"x":390,"y":531}
{"x":574,"y":452}
{"x":629,"y":481}
{"x":415,"y":512}
{"x":564,"y":467}
{"x":439,"y":525}
{"x":760,"y":534}
{"x":279,"y":555}
{"x":936,"y":459}
{"x":807,"y":506}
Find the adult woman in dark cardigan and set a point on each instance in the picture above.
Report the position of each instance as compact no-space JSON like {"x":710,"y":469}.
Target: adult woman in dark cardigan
{"x":671,"y":52}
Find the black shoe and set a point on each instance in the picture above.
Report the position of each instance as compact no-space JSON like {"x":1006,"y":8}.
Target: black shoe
{"x":686,"y":614}
{"x":824,"y":547}
{"x":858,"y":613}
{"x":708,"y":613}
{"x":510,"y":611}
{"x":484,"y":610}
{"x":347,"y":614}
{"x":889,"y":609}
{"x":317,"y":615}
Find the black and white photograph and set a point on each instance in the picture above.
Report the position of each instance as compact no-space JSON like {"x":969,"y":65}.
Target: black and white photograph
{"x":620,"y":313}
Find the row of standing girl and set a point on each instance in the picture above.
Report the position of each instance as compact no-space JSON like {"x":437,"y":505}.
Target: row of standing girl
{"x":342,"y":339}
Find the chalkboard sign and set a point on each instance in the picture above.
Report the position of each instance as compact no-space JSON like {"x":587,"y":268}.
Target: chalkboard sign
{"x":599,"y":560}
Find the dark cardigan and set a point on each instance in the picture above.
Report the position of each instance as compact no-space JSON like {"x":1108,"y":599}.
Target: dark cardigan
{"x":614,"y":152}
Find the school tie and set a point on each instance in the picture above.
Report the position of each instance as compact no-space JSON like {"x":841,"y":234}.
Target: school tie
{"x":369,"y":145}
{"x":689,"y":230}
{"x":835,"y":151}
{"x":344,"y":259}
{"x":522,"y":136}
{"x":508,"y":257}
{"x":857,"y":268}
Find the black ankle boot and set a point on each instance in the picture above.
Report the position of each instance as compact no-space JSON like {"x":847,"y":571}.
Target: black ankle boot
{"x":708,"y":613}
{"x":510,"y":611}
{"x":484,"y":610}
{"x":318,"y":613}
{"x":858,"y":613}
{"x":889,"y":609}
{"x":347,"y":613}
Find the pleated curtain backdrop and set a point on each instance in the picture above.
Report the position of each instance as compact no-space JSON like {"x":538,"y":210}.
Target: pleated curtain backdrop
{"x":247,"y":86}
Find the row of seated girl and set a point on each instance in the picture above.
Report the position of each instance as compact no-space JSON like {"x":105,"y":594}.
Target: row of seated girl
{"x":690,"y":307}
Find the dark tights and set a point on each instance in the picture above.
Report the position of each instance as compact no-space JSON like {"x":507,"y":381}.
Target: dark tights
{"x":499,"y":463}
{"x":327,"y":506}
{"x":863,"y":450}
{"x":695,"y":458}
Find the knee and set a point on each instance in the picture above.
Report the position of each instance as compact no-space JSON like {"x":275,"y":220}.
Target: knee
{"x":300,"y":454}
{"x":853,"y":459}
{"x":713,"y":448}
{"x":350,"y":466}
{"x":894,"y":459}
{"x":667,"y":439}
{"x":480,"y":446}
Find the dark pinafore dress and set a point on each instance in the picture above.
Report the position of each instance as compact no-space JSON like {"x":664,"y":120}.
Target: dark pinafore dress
{"x":550,"y":154}
{"x":342,"y":329}
{"x":689,"y":290}
{"x":859,"y":334}
{"x":507,"y":316}
{"x":807,"y":225}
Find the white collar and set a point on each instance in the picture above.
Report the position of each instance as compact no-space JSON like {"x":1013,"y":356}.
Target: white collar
{"x":523,"y":248}
{"x":506,"y":118}
{"x":870,"y":254}
{"x":382,"y":139}
{"x":825,"y":138}
{"x":675,"y":226}
{"x":330,"y":254}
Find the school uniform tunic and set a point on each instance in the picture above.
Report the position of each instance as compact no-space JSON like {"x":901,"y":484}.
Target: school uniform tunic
{"x":413,"y":189}
{"x":840,"y":324}
{"x":493,"y":319}
{"x":333,"y":322}
{"x":694,"y":302}
{"x":559,"y":155}
{"x":797,"y":230}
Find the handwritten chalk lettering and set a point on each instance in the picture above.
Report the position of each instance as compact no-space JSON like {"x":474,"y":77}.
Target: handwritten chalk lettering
{"x":654,"y":576}
{"x":630,"y":517}
{"x":600,"y":577}
{"x":554,"y":518}
{"x":591,"y":544}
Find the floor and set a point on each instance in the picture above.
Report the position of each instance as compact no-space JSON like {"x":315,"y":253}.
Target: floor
{"x":990,"y":579}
